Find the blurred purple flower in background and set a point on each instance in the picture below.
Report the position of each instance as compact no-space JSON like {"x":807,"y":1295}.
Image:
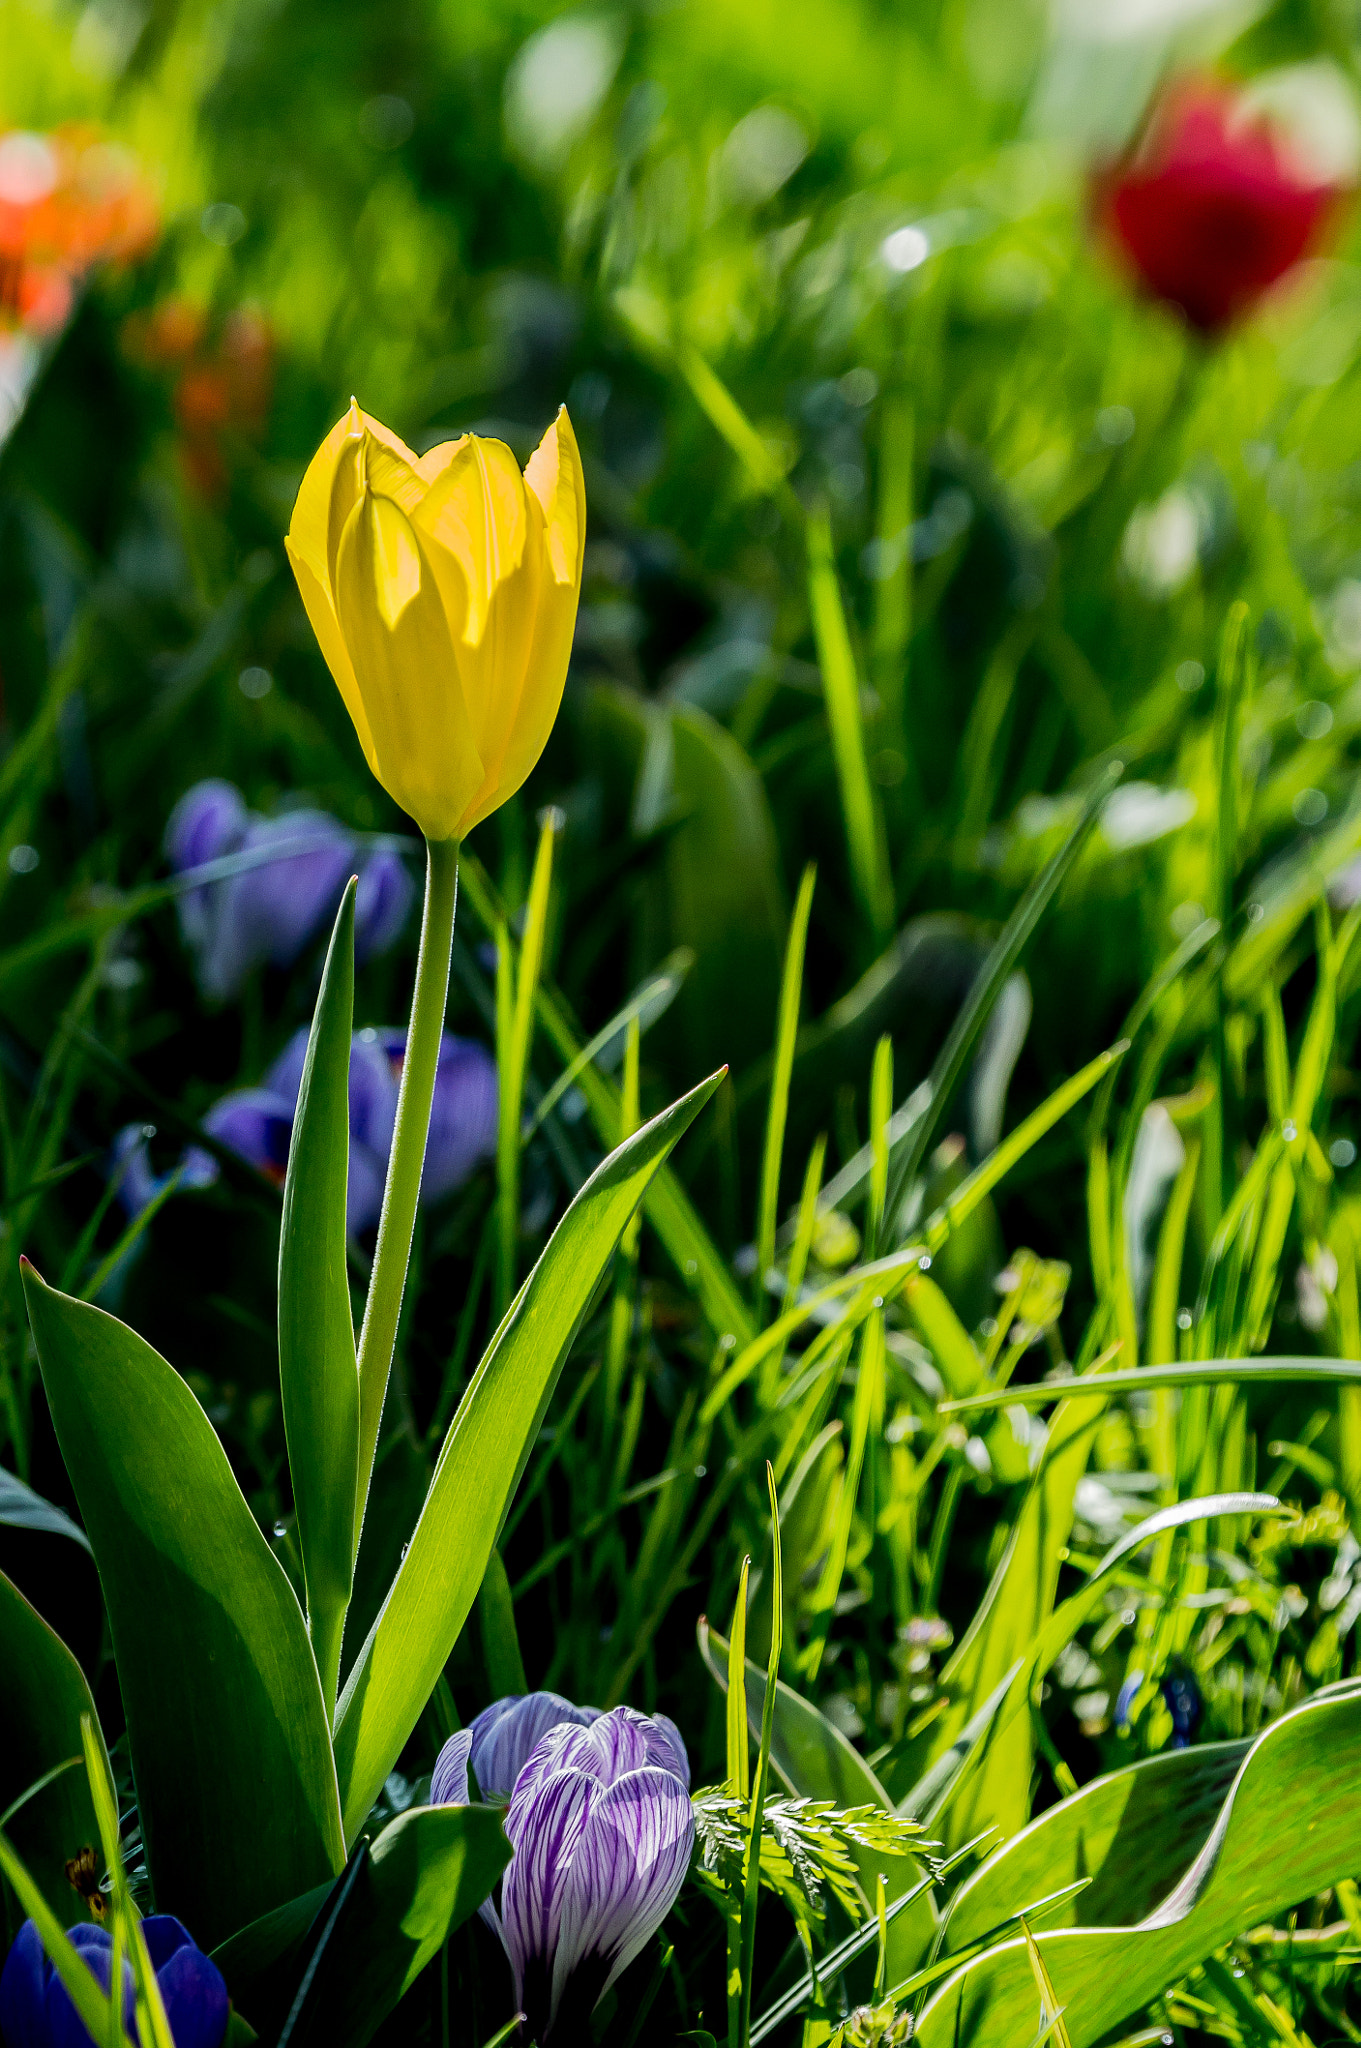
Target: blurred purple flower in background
{"x":272,"y":912}
{"x":602,"y":1828}
{"x":36,"y":2009}
{"x":257,"y":1124}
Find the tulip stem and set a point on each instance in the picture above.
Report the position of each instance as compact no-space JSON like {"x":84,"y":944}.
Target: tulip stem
{"x":392,"y":1254}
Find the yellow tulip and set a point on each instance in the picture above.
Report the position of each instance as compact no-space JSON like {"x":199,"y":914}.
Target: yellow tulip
{"x":443,"y":589}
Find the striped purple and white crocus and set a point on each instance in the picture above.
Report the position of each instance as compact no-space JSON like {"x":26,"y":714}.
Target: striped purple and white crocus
{"x":601,"y":1828}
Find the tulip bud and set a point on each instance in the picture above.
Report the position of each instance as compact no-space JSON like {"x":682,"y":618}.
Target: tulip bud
{"x":443,"y":591}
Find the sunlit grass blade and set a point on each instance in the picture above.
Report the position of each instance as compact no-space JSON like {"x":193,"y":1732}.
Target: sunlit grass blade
{"x":514,"y":1034}
{"x":1000,"y":1161}
{"x":786,"y":1032}
{"x":739,"y":1776}
{"x":752,"y":1886}
{"x":1206,"y":1372}
{"x":881,"y":1111}
{"x":841,"y":688}
{"x":987,"y":986}
{"x":648,"y":1002}
{"x":892,"y":627}
{"x":666,"y":1205}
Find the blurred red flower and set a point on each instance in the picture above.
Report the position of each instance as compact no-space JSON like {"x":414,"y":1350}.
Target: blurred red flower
{"x":1211,"y":210}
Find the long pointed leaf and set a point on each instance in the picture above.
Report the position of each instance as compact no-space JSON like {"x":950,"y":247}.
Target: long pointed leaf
{"x":479,"y":1467}
{"x":318,"y":1372}
{"x":229,"y":1739}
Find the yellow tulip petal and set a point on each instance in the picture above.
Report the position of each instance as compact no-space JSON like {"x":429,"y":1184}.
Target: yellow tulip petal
{"x":309,"y":529}
{"x":437,"y":459}
{"x":553,"y":474}
{"x":476,"y":510}
{"x":539,"y":698}
{"x":392,"y":617}
{"x":391,"y":467}
{"x":332,"y":643}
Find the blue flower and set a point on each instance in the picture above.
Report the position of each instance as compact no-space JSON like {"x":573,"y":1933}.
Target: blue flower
{"x":257,"y":1124}
{"x":36,"y":2009}
{"x":272,"y":912}
{"x":1125,"y":1699}
{"x":601,"y":1828}
{"x":1182,"y":1695}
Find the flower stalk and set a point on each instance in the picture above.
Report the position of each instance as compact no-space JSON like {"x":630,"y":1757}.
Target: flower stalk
{"x":392,"y":1254}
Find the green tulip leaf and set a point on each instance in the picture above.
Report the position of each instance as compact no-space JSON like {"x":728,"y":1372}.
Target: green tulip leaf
{"x":373,"y":1931}
{"x":1286,"y":1831}
{"x":22,"y":1508}
{"x":42,"y":1699}
{"x":226,"y":1725}
{"x":427,"y":1872}
{"x":318,"y":1373}
{"x":481,"y":1462}
{"x":1130,"y":1834}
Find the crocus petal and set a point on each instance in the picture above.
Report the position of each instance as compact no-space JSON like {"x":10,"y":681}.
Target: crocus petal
{"x":382,"y":905}
{"x":164,"y":1934}
{"x":373,"y":1091}
{"x":394,"y":625}
{"x":508,"y":1733}
{"x":627,"y":1868}
{"x":208,"y":821}
{"x":271,"y":912}
{"x":23,"y":1991}
{"x":65,"y":2028}
{"x":449,"y":1779}
{"x":535,"y":1881}
{"x":257,"y":1125}
{"x":195,"y":1996}
{"x":666,"y":1747}
{"x":463,"y":1116}
{"x":130,"y":1167}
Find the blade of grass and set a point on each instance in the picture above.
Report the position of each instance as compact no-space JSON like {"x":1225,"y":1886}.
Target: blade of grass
{"x":752,"y":1887}
{"x":987,"y":986}
{"x":787,"y":1027}
{"x":841,"y":690}
{"x":513,"y":1056}
{"x":1207,"y":1372}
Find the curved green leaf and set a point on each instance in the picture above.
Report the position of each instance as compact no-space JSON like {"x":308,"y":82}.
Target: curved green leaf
{"x":41,"y":1701}
{"x":318,"y":1372}
{"x":1205,"y":1372}
{"x":427,"y":1872}
{"x":22,"y":1508}
{"x":225,"y":1718}
{"x":1130,"y":1834}
{"x":1286,"y":1831}
{"x":480,"y":1465}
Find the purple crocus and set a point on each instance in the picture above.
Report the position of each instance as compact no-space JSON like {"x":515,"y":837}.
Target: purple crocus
{"x":601,"y":1828}
{"x":271,"y":912}
{"x":36,"y":2009}
{"x":257,"y":1124}
{"x":462,"y":1112}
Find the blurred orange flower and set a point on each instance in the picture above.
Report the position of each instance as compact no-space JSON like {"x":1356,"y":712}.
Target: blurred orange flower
{"x":223,"y":381}
{"x":68,"y":200}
